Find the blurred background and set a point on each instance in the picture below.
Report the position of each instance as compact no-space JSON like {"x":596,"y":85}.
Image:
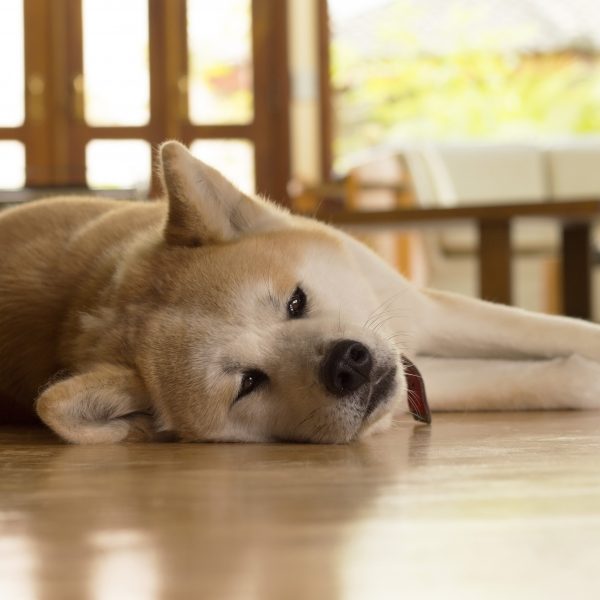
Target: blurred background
{"x":352,"y":104}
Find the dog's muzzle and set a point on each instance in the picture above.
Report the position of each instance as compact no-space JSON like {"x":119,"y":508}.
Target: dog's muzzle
{"x":348,"y":371}
{"x":346,"y":367}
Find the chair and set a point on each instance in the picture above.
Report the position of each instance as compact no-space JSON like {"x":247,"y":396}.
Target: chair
{"x":482,"y":173}
{"x":573,"y":170}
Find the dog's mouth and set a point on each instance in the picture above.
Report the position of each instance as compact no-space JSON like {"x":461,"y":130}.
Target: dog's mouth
{"x":381,"y":391}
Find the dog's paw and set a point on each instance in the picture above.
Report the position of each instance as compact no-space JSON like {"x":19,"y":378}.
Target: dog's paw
{"x":576,"y":382}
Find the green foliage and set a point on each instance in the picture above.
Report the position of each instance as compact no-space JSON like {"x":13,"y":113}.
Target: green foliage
{"x":477,"y":93}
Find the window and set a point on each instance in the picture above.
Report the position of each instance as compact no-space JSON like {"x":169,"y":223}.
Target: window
{"x":12,"y":72}
{"x":220,"y":61}
{"x":234,"y":157}
{"x":12,"y":98}
{"x":482,"y":69}
{"x":93,"y":85}
{"x":116,"y":75}
{"x":12,"y":159}
{"x":118,"y":164}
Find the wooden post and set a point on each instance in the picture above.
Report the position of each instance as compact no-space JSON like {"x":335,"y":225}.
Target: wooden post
{"x":576,"y":270}
{"x":495,"y":261}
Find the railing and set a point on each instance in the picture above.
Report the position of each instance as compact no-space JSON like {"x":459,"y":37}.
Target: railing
{"x":494,"y":224}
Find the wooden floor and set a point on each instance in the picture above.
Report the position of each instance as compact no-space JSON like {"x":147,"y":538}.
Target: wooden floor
{"x":477,"y":506}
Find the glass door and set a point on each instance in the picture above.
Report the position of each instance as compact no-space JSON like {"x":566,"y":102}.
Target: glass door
{"x":219,"y":86}
{"x":94,"y":85}
{"x":12,"y":98}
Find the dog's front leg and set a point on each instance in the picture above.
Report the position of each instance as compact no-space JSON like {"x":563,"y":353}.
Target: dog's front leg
{"x":454,"y":326}
{"x":491,"y":384}
{"x":449,"y":325}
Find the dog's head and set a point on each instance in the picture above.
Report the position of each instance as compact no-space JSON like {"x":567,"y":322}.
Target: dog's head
{"x":244,"y":323}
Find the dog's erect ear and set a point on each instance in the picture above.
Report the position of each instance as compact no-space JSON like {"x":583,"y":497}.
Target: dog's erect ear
{"x":105,"y":405}
{"x":204,"y":207}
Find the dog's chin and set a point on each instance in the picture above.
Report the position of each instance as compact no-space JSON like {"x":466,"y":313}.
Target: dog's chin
{"x":369,"y":411}
{"x":384,"y":397}
{"x":381,"y":391}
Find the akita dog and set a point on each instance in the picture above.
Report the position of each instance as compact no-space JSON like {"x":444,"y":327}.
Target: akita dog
{"x":211,"y":315}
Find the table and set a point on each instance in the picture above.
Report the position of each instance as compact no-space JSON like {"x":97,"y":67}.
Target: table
{"x":494,"y":223}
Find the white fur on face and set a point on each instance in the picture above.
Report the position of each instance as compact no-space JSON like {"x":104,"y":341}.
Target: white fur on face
{"x":254,"y":332}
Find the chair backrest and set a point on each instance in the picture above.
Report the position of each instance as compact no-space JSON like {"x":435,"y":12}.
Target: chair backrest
{"x":451,"y":174}
{"x":476,"y":174}
{"x":485,"y":173}
{"x":429,"y":180}
{"x":379,"y":182}
{"x":574,"y":169}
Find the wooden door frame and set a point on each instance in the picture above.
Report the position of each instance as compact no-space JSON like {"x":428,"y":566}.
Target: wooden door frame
{"x":35,"y":133}
{"x":325,"y":91}
{"x":55,"y":134}
{"x":272,"y":96}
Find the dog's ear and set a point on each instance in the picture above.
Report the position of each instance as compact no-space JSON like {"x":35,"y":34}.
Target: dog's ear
{"x":105,"y":405}
{"x":205,"y":207}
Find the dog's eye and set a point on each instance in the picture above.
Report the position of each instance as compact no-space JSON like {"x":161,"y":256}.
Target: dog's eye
{"x":296,"y":304}
{"x":250,"y":381}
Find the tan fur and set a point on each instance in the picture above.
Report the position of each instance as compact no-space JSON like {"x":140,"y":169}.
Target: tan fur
{"x":112,"y":313}
{"x":124,"y":321}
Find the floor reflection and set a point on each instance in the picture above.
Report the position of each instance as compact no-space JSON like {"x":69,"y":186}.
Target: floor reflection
{"x":125,"y":566}
{"x":181,"y":521}
{"x":18,"y":566}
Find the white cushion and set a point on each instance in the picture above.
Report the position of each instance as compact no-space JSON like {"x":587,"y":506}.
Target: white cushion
{"x":574,"y":169}
{"x":486,"y":173}
{"x":527,"y":235}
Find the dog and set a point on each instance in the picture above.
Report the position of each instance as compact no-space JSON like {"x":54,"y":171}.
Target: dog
{"x":213,"y":316}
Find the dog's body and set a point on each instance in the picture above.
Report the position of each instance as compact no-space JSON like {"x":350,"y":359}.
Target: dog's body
{"x":220,"y":317}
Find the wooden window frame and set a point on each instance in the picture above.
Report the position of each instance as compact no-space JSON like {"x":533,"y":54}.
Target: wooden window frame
{"x":325,"y":91}
{"x":35,"y":132}
{"x":55,"y":134}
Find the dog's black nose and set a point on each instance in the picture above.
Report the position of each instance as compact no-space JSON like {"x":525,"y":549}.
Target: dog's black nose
{"x":346,"y":367}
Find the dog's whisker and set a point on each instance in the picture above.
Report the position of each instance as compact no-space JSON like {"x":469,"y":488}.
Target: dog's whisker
{"x":306,"y":388}
{"x":400,"y":313}
{"x":386,"y":320}
{"x":309,"y":417}
{"x":381,"y":307}
{"x":399,"y":338}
